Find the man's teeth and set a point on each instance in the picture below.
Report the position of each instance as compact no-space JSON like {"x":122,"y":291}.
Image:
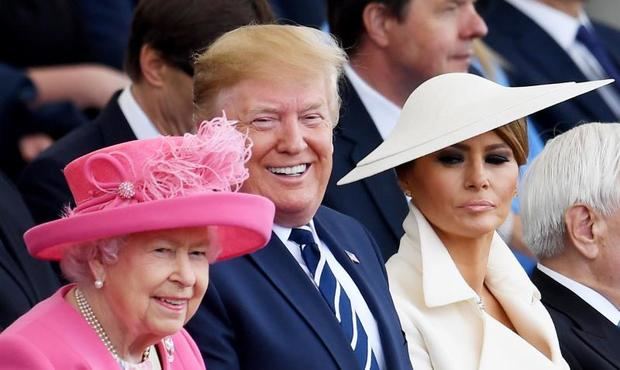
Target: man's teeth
{"x":289,"y":171}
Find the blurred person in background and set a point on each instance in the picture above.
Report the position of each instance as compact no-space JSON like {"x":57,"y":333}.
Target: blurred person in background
{"x":547,"y":41}
{"x":52,"y":53}
{"x":164,"y":37}
{"x":24,"y":281}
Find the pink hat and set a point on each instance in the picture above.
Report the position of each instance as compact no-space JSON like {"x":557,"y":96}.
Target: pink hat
{"x":158,"y":184}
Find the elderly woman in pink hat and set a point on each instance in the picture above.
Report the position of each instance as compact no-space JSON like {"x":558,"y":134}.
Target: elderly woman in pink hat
{"x":151,"y":216}
{"x":463,"y":300}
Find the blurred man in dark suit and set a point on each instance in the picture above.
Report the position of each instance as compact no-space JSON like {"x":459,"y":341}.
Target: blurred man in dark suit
{"x":165,"y":35}
{"x":24,"y":281}
{"x":546,"y":41}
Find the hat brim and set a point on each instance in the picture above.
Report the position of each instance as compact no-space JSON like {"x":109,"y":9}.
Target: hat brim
{"x":242,"y":223}
{"x":483,"y":107}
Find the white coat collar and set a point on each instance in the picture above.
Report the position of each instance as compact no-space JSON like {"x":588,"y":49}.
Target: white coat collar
{"x":442,"y":282}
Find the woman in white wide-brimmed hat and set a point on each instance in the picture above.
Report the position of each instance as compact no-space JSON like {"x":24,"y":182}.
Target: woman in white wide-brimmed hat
{"x":463,"y":300}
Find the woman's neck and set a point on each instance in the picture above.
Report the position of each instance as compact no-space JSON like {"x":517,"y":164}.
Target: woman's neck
{"x":129,"y":346}
{"x":470,"y":256}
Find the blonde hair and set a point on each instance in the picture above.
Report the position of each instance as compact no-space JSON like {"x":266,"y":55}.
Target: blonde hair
{"x":266,"y":52}
{"x":515,"y":135}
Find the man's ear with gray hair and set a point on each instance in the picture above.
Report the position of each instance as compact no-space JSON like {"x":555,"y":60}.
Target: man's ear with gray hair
{"x":583,"y":230}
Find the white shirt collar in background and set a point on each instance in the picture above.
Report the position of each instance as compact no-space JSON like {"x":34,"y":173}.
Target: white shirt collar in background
{"x":590,"y":296}
{"x":383,"y":112}
{"x":563,"y":29}
{"x":140,"y":124}
{"x":559,"y":25}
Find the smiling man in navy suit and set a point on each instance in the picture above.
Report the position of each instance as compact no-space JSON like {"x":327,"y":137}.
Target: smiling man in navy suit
{"x":316,"y":297}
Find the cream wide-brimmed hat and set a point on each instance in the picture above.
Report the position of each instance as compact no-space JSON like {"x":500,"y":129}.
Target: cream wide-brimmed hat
{"x":454,"y":107}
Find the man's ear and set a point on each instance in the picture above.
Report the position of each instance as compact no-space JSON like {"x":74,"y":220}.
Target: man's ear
{"x":377,"y":20}
{"x":583,"y":229}
{"x":152,"y":65}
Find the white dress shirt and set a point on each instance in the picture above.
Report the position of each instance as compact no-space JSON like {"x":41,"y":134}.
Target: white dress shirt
{"x":590,"y":296}
{"x":357,"y":300}
{"x":140,"y":124}
{"x":383,"y":112}
{"x":563,"y":29}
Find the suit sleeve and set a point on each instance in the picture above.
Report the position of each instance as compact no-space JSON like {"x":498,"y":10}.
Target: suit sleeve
{"x":44,"y":189}
{"x":570,"y":359}
{"x":18,"y":353}
{"x":214,"y":333}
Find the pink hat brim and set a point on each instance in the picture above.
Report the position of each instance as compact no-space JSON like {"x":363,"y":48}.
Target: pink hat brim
{"x":243,"y":223}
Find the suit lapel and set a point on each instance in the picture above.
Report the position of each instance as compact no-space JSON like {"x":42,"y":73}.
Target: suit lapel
{"x":364,"y":137}
{"x":593,"y":328}
{"x":282,"y":270}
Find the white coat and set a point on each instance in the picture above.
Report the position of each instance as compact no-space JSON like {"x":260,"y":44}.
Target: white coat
{"x":446,"y":328}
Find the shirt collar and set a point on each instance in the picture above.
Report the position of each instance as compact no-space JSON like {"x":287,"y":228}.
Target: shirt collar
{"x":383,"y":112}
{"x":140,"y":124}
{"x":442,"y":282}
{"x":559,"y":25}
{"x":590,"y":296}
{"x":283,"y":232}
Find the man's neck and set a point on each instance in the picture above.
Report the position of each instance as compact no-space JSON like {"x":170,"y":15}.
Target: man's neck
{"x":148,"y":103}
{"x":372,"y":69}
{"x":572,"y":8}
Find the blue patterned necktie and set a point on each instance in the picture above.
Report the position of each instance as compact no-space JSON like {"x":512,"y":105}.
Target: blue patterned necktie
{"x":589,"y":39}
{"x":336,"y":298}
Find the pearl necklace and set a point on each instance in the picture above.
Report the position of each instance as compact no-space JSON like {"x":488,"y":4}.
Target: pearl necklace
{"x":88,"y":314}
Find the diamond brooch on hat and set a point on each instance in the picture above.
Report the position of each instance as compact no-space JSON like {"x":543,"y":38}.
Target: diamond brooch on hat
{"x":126,"y":190}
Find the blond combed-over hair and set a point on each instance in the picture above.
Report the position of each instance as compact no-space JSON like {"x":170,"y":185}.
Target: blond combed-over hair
{"x":267,"y":52}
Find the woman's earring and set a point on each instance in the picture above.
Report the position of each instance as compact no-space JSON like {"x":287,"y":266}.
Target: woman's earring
{"x":408,"y":193}
{"x":98,"y":284}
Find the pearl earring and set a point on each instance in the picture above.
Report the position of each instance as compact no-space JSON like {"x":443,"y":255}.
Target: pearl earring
{"x":98,"y":284}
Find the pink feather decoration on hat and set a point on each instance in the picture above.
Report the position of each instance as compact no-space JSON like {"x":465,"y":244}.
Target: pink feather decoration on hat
{"x":211,"y":160}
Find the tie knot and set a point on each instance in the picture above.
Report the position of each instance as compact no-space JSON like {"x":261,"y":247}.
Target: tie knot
{"x":301,"y":236}
{"x":586,"y":37}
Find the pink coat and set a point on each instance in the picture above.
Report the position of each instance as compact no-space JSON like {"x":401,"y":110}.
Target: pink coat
{"x":53,"y":335}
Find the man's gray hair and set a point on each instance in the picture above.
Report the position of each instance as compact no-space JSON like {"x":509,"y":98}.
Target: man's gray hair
{"x":580,"y":166}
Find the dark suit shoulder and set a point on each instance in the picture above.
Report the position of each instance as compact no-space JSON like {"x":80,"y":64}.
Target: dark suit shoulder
{"x":42,"y":183}
{"x":588,"y":340}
